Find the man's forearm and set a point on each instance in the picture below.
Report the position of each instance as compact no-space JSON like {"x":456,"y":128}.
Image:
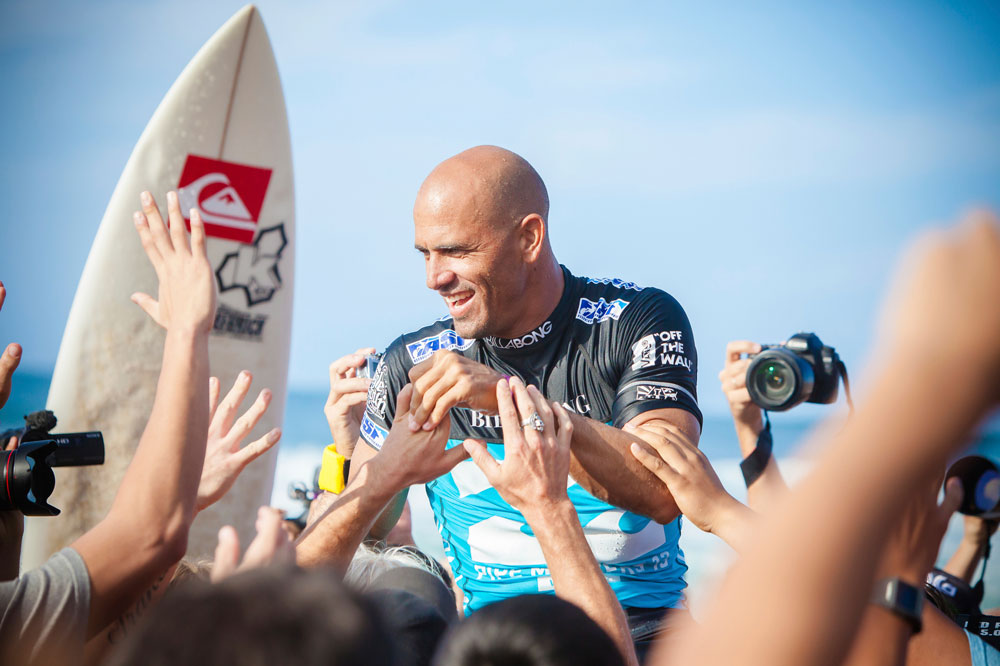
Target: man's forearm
{"x":602,"y":463}
{"x":334,"y":537}
{"x":965,"y":560}
{"x":576,"y":575}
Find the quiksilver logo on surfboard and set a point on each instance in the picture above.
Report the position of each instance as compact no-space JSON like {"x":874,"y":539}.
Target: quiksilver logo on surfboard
{"x":228,"y":195}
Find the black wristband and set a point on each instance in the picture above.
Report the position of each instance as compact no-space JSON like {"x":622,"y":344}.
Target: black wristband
{"x":754,"y":464}
{"x":347,"y":470}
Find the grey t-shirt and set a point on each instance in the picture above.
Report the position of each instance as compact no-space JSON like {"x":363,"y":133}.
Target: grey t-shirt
{"x":44,"y":612}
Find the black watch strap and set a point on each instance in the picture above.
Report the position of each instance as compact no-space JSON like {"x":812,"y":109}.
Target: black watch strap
{"x":903,"y":599}
{"x":754,"y":464}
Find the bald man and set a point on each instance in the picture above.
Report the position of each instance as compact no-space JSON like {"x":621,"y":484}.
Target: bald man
{"x":615,"y":354}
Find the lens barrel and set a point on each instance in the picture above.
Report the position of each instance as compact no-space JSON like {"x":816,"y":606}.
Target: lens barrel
{"x":777,"y":379}
{"x":980,"y":480}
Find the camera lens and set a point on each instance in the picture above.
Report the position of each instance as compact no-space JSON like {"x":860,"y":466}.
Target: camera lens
{"x":981,"y":485}
{"x":988,"y":491}
{"x":777,"y":379}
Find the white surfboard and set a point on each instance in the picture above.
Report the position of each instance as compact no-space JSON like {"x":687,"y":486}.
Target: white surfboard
{"x":220,"y":137}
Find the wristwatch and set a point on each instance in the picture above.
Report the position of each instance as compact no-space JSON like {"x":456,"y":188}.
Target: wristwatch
{"x":901,"y":598}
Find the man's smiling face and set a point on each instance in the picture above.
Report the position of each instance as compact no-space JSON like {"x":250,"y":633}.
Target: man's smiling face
{"x":471,"y":258}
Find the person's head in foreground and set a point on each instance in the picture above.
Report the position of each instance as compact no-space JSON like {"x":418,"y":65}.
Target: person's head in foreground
{"x":529,"y":630}
{"x":274,"y":615}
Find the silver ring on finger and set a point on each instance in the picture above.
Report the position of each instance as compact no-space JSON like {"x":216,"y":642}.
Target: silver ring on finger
{"x":534,"y":422}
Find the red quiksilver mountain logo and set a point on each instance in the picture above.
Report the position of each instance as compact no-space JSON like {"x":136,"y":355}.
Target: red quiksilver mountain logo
{"x":229,"y":196}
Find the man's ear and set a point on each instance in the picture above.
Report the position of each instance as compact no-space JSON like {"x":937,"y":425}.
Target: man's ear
{"x":533,"y":236}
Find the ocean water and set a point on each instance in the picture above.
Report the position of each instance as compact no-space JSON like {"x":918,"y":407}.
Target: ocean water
{"x":708,"y":558}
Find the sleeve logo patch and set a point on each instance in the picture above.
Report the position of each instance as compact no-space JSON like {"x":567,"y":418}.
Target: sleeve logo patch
{"x":373,"y":434}
{"x":663,"y":348}
{"x":228,"y":196}
{"x":421,"y":350}
{"x":591,"y":312}
{"x":650,"y":392}
{"x":378,"y":391}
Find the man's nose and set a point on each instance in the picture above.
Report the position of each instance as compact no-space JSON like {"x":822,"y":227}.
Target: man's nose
{"x":438,"y":275}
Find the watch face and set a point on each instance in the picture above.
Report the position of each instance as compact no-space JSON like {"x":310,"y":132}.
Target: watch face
{"x":907,"y":596}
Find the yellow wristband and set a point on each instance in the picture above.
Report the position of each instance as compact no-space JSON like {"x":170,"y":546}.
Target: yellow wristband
{"x":331,"y":473}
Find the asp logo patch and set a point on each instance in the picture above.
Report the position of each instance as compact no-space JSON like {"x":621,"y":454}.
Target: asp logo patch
{"x":254,"y":268}
{"x":421,"y":350}
{"x":228,"y":196}
{"x":592,"y":312}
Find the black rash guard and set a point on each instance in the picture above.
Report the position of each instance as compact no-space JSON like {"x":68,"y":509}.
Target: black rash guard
{"x":610,"y":350}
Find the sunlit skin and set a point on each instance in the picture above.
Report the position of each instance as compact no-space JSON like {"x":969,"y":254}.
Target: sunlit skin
{"x":485,"y":251}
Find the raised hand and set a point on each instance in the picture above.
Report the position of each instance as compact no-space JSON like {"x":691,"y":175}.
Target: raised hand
{"x":270,"y":546}
{"x":345,"y":405}
{"x":224,"y":459}
{"x":692,"y":481}
{"x":408,"y":457}
{"x":449,"y":380}
{"x":187,"y":286}
{"x":533,"y":474}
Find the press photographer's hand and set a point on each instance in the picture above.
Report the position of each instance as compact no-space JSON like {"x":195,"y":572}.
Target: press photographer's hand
{"x":186,"y":298}
{"x":345,"y":405}
{"x":747,"y":416}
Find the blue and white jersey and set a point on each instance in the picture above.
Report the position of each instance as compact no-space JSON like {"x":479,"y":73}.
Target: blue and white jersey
{"x":610,"y":351}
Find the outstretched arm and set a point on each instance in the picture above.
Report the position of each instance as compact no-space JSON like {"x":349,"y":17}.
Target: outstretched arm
{"x":146,"y":529}
{"x":898,"y":436}
{"x":406,"y":458}
{"x":532,"y":479}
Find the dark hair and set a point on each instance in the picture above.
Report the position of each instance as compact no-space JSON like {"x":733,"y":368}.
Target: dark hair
{"x":529,"y":630}
{"x":275,"y":615}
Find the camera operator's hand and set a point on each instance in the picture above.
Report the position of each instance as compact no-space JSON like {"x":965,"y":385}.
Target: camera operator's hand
{"x":532,"y":476}
{"x":747,"y":416}
{"x":449,"y":380}
{"x":692,"y":481}
{"x":345,"y":406}
{"x":941,"y":318}
{"x":408,"y":457}
{"x":224,"y":459}
{"x":9,"y":361}
{"x":187,"y":286}
{"x":270,"y":546}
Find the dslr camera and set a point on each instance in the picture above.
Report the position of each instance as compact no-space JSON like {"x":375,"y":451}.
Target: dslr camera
{"x":801,"y":369}
{"x":27,"y":479}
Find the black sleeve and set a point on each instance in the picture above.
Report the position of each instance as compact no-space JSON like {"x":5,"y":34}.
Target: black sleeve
{"x":390,"y":377}
{"x":655,"y":349}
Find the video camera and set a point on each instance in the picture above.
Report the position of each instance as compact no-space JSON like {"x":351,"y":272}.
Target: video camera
{"x":28,"y":479}
{"x":801,"y":369}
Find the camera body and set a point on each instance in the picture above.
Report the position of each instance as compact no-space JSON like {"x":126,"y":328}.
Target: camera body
{"x":801,"y":369}
{"x":26,"y":476}
{"x":371,"y":364}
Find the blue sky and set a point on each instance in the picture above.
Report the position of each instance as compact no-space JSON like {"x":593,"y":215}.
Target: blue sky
{"x":763,"y":164}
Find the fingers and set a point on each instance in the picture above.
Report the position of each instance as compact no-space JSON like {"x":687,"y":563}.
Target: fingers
{"x":147,"y":240}
{"x":3,"y":295}
{"x":525,"y":406}
{"x":442,"y":406}
{"x":149,"y":305}
{"x":564,"y":430}
{"x":178,"y":234}
{"x":428,"y":380}
{"x":481,"y":456}
{"x":226,"y":412}
{"x":9,"y":361}
{"x":736,"y":348}
{"x":270,"y":545}
{"x":953,"y":494}
{"x":213,"y":397}
{"x":339,"y":368}
{"x":251,"y":417}
{"x":652,"y":461}
{"x":541,"y":405}
{"x":227,"y":554}
{"x":509,"y":421}
{"x":11,"y":444}
{"x":155,"y":223}
{"x":197,"y":233}
{"x":258,"y":447}
{"x":403,"y":402}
